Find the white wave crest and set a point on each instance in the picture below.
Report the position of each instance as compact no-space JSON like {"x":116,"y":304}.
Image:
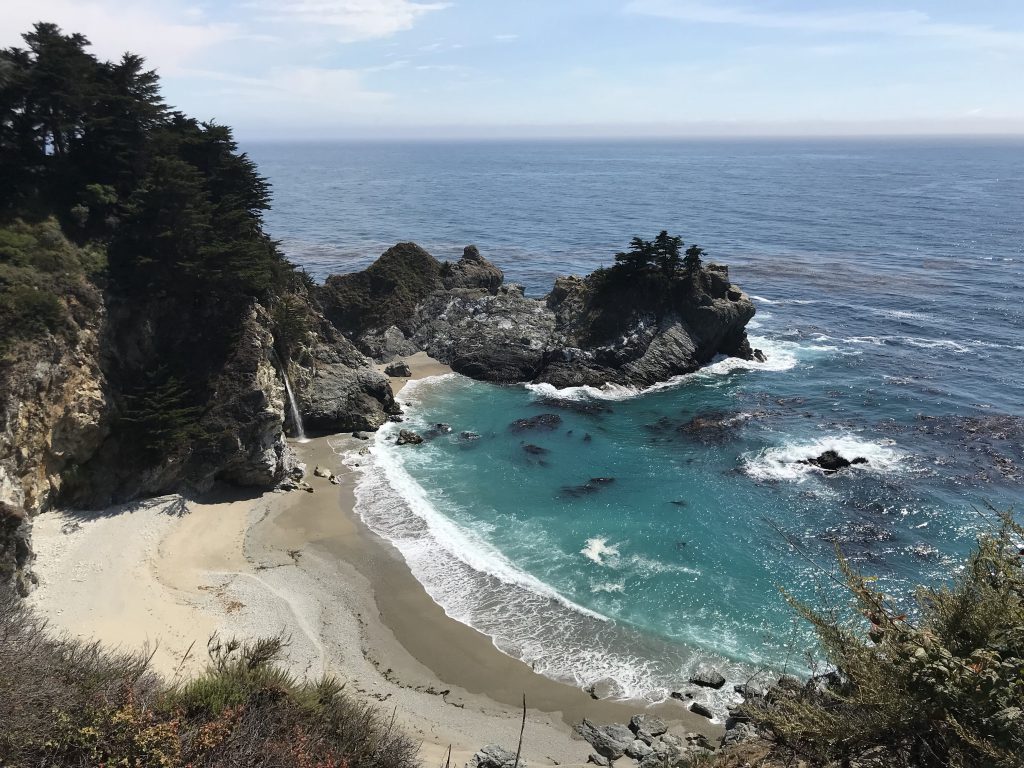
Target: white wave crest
{"x":783,"y":462}
{"x":598,"y":550}
{"x":478,"y":586}
{"x":780,"y":356}
{"x":432,"y":533}
{"x":955,"y":347}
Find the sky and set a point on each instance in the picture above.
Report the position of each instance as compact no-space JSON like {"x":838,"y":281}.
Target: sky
{"x":327,"y":69}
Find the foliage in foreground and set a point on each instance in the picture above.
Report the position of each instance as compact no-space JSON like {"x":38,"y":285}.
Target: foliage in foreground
{"x":945,"y":688}
{"x":68,"y":703}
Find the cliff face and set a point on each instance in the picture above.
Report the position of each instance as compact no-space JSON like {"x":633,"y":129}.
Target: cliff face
{"x":587,"y":331}
{"x":89,"y":417}
{"x":54,"y":406}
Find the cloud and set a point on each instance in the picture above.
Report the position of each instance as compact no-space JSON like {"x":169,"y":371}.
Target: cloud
{"x":899,"y":23}
{"x":352,"y":20}
{"x":169,"y":39}
{"x":506,"y":38}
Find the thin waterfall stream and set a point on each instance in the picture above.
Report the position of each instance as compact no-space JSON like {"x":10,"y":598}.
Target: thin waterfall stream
{"x":300,"y":433}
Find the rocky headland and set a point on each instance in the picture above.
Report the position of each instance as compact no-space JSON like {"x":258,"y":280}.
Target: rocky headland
{"x":633,"y":330}
{"x":132,"y":398}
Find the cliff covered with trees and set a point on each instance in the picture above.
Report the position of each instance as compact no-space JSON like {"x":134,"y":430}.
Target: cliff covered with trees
{"x":147,"y":320}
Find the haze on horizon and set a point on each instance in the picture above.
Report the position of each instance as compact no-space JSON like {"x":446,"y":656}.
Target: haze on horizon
{"x":360,"y":69}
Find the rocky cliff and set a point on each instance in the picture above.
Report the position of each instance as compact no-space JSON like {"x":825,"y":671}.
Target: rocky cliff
{"x":591,"y":330}
{"x":135,"y":398}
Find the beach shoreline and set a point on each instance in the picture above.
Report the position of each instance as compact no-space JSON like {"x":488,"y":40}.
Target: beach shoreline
{"x":147,"y":576}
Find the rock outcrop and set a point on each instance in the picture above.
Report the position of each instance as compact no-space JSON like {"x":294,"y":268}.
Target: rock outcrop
{"x":587,"y":331}
{"x":831,"y":462}
{"x":15,"y":549}
{"x":81,"y":424}
{"x":336,"y":385}
{"x":54,"y":406}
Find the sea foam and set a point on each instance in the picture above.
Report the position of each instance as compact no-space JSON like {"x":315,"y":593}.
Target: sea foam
{"x":784,"y":462}
{"x":780,"y":356}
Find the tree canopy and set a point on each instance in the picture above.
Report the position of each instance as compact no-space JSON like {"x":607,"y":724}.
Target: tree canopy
{"x":92,"y":143}
{"x":111,"y":197}
{"x":659,"y":255}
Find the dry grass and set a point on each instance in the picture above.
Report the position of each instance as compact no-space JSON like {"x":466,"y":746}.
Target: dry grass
{"x":68,"y":703}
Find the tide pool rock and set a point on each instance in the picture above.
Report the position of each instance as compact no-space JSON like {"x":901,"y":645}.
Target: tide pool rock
{"x":708,"y":677}
{"x":408,"y":437}
{"x":699,"y":709}
{"x":647,"y":727}
{"x":612,"y":741}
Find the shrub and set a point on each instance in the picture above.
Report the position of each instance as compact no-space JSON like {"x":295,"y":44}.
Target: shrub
{"x":69,"y":703}
{"x":944,"y":688}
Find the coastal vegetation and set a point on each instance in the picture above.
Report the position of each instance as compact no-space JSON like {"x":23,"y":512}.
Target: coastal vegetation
{"x":65,"y":702}
{"x":131,"y":239}
{"x":939,"y":686}
{"x":124,"y":220}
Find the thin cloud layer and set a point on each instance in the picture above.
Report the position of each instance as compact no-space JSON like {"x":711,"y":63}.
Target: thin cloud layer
{"x":322,"y":69}
{"x":352,"y":20}
{"x":899,"y":23}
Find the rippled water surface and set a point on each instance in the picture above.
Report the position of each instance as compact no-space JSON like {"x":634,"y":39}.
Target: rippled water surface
{"x":648,"y":531}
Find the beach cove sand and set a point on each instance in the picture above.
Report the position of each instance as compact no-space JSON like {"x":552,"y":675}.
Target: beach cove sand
{"x":162,"y":577}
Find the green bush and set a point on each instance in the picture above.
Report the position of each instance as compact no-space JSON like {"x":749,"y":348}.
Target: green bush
{"x":943,"y":688}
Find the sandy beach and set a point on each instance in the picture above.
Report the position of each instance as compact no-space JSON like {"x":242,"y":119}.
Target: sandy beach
{"x":161,"y":577}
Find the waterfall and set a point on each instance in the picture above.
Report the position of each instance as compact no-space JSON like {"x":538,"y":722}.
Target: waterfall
{"x":300,"y":433}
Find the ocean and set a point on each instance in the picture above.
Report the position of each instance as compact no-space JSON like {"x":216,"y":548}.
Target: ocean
{"x":888,"y":278}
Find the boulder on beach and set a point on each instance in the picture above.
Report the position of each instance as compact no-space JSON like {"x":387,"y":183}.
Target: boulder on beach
{"x":699,"y":709}
{"x":708,"y":677}
{"x":493,"y":756}
{"x":399,"y":369}
{"x":612,"y":741}
{"x":647,"y":727}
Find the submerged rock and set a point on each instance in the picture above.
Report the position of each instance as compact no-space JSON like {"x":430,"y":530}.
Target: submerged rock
{"x":535,"y":450}
{"x":544,"y":422}
{"x":593,"y":485}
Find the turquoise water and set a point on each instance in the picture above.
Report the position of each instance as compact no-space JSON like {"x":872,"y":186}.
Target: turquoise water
{"x":888,"y":280}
